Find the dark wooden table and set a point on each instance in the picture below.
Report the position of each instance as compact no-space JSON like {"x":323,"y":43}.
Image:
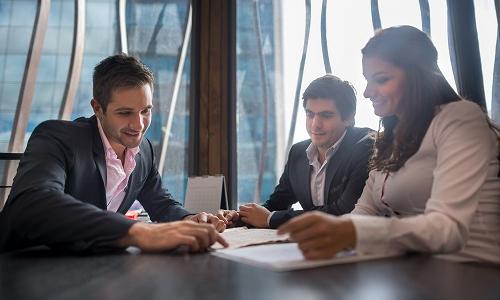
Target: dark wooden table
{"x":44,"y":274}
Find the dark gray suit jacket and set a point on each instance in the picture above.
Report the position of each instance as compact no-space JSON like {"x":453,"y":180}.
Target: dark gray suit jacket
{"x":346,"y":174}
{"x":58,"y":196}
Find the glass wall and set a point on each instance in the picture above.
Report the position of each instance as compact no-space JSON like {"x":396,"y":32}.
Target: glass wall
{"x":101,"y":40}
{"x":487,"y":32}
{"x":258,"y":106}
{"x":54,"y":64}
{"x":16,"y":26}
{"x":348,"y":27}
{"x":155,"y":32}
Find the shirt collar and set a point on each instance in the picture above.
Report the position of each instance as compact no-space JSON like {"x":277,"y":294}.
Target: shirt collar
{"x":108,"y":150}
{"x":312,"y":151}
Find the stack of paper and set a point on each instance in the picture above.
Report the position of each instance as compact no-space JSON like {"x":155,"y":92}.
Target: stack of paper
{"x":287,"y":256}
{"x":242,"y":237}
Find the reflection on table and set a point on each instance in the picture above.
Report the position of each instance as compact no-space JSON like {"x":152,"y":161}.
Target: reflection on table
{"x":44,"y":274}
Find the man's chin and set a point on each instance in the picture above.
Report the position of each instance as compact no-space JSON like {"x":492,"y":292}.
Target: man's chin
{"x":318,"y":142}
{"x":132,"y":143}
{"x":322,"y":144}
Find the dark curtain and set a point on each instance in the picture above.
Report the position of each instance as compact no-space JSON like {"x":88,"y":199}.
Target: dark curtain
{"x":464,"y":50}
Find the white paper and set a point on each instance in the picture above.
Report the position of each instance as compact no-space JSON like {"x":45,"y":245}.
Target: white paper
{"x":287,"y":256}
{"x":242,"y":236}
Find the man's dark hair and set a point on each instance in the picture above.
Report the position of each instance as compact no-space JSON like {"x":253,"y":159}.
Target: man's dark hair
{"x":119,"y":71}
{"x":331,"y":87}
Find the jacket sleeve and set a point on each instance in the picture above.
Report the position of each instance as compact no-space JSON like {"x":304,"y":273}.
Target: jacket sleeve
{"x":39,"y":212}
{"x":281,"y":200}
{"x":282,"y":197}
{"x":157,"y":201}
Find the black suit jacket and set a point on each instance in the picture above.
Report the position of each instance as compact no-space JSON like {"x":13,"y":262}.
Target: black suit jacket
{"x":346,"y":174}
{"x":58,"y":197}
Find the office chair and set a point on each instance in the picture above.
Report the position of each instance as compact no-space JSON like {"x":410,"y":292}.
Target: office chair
{"x":8,"y":167}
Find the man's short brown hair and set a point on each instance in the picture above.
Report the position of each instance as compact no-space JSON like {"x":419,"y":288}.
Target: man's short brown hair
{"x":331,"y":87}
{"x":119,"y":71}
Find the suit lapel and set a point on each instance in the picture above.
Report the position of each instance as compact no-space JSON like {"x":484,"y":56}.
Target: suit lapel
{"x":337,"y":157}
{"x":303,"y":190}
{"x":99,"y":159}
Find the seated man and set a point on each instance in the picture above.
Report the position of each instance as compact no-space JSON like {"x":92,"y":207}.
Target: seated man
{"x":77,"y":179}
{"x":328,"y":171}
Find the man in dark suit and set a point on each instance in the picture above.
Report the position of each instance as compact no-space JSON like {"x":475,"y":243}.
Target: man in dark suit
{"x":328,"y":171}
{"x":77,"y":179}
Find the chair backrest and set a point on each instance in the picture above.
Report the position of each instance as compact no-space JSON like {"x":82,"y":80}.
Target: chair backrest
{"x":8,"y":168}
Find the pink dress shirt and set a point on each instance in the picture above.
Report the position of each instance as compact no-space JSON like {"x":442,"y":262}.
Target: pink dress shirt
{"x":117,"y":175}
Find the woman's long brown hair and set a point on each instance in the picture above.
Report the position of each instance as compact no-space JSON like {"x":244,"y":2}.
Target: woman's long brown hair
{"x":425,"y":90}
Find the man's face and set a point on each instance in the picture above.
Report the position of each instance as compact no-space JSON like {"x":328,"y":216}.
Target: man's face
{"x":324,"y":123}
{"x":127,"y":116}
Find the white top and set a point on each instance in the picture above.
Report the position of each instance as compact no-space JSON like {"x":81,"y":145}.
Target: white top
{"x":446,"y":197}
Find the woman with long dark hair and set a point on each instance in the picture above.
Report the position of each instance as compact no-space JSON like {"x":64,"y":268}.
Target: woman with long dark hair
{"x":434,"y":184}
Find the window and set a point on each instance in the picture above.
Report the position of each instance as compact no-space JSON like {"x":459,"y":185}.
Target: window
{"x":155,"y":31}
{"x":282,"y":25}
{"x":16,"y":25}
{"x":487,"y":29}
{"x":54,"y":65}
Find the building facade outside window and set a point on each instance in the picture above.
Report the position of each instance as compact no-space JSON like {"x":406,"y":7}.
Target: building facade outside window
{"x":348,"y":27}
{"x":155,"y":33}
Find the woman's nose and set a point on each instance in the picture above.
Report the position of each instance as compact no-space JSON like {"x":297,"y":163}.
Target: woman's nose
{"x":366,"y":93}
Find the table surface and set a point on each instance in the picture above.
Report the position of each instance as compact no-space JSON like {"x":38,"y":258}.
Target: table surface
{"x":44,"y":274}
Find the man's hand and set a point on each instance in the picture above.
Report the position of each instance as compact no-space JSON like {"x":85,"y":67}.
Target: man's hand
{"x":203,"y":217}
{"x":255,"y":215}
{"x":167,"y":236}
{"x":231,"y":216}
{"x":320,"y":235}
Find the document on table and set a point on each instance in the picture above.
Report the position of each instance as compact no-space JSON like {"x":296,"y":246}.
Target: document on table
{"x":287,"y":256}
{"x":242,"y":237}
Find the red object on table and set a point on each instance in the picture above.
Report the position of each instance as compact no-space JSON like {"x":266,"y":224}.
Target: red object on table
{"x":132,"y":214}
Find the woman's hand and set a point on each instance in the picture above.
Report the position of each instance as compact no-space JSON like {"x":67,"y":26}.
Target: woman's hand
{"x":320,"y":235}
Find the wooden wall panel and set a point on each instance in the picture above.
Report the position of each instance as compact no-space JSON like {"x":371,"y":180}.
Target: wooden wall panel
{"x":212,"y":60}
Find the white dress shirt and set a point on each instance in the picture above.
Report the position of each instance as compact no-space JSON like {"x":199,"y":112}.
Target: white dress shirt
{"x":117,"y":174}
{"x":318,"y":170}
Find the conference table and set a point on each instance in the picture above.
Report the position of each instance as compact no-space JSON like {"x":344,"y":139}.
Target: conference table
{"x":40,"y":273}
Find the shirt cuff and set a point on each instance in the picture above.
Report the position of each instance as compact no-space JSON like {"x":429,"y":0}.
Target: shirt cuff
{"x":269,"y":219}
{"x":372,"y":234}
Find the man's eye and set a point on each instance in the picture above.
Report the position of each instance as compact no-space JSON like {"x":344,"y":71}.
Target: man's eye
{"x":381,"y":80}
{"x":310,"y":114}
{"x":326,"y":115}
{"x":124,"y":113}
